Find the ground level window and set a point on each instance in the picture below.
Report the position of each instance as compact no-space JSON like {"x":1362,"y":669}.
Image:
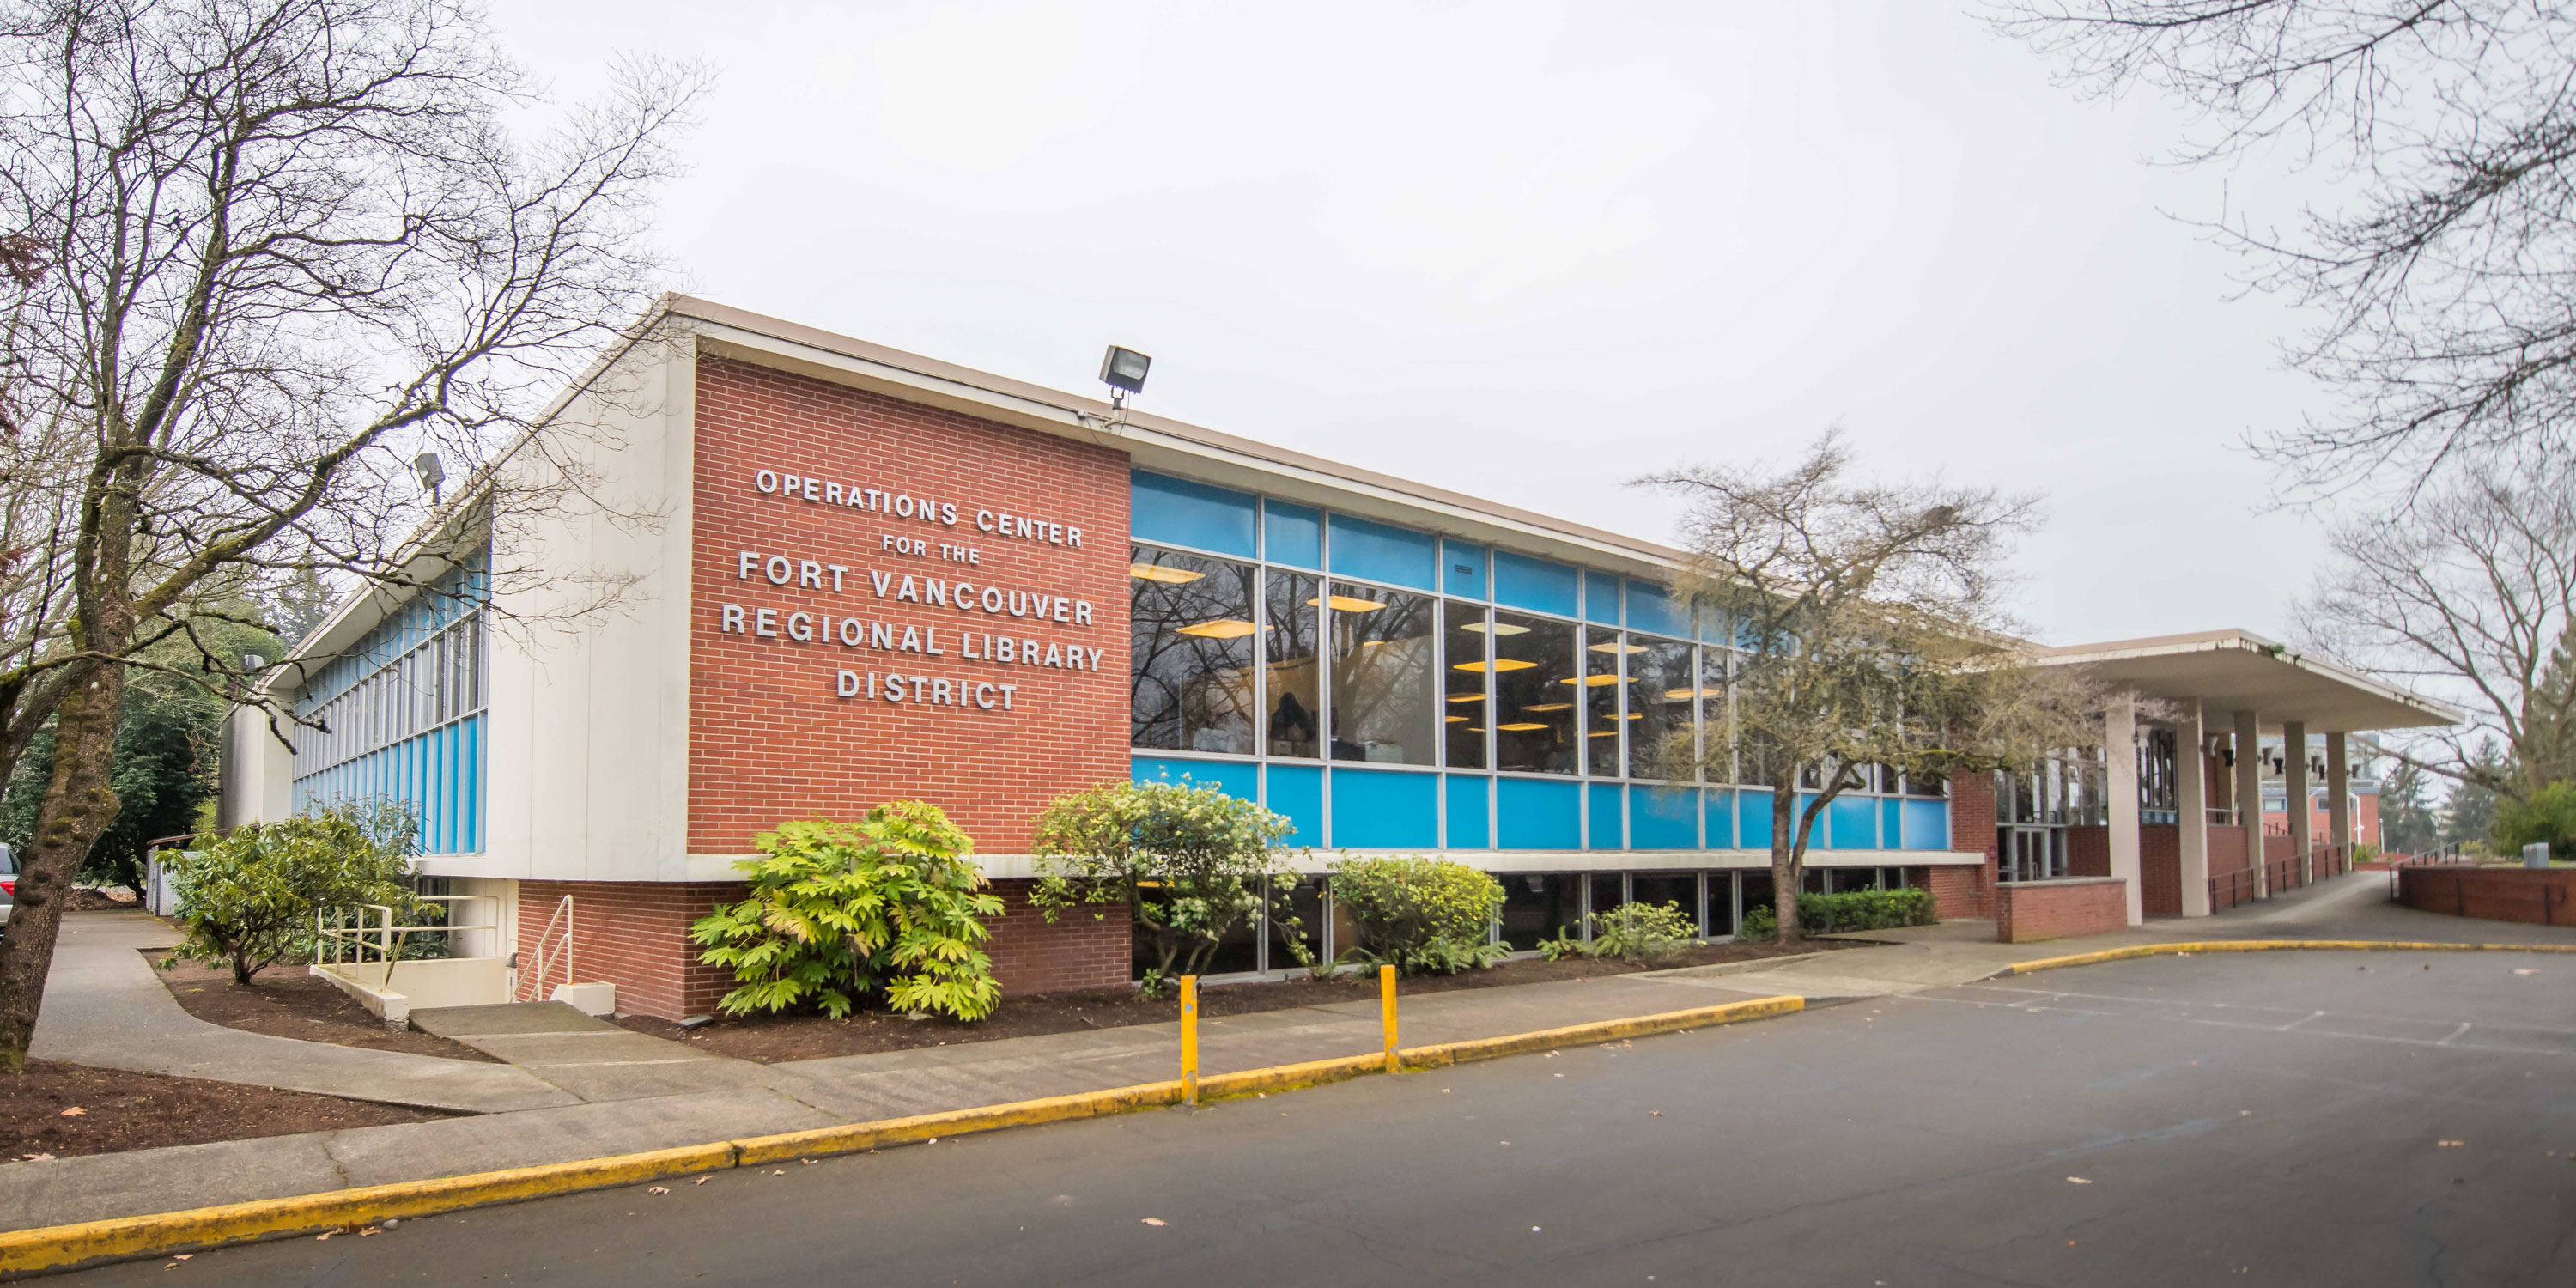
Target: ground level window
{"x":1539,"y":906}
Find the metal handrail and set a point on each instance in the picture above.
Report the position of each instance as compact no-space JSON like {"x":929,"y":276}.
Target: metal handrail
{"x":387,"y":938}
{"x":532,"y":981}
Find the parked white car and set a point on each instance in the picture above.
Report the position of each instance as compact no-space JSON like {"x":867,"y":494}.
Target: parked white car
{"x":8,"y":882}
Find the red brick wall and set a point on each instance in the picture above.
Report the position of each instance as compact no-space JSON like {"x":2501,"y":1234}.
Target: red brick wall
{"x":2088,"y":851}
{"x":770,"y":738}
{"x":1031,"y":956}
{"x":1972,"y":813}
{"x":2226,"y":855}
{"x":2493,"y":894}
{"x":1960,"y":891}
{"x":2025,"y":911}
{"x":634,"y":934}
{"x":2160,"y":869}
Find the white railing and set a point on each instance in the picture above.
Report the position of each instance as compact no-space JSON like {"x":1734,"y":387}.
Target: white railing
{"x":551,"y":949}
{"x":373,"y":936}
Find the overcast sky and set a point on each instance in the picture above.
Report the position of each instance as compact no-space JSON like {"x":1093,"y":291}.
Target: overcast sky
{"x":1523,"y":251}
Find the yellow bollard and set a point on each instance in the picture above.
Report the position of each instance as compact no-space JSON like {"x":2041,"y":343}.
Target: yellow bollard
{"x":1386,"y":1008}
{"x":1189,"y":1039}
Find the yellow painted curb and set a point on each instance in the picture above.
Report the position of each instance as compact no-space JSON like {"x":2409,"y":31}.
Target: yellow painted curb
{"x":2274,"y":946}
{"x":66,"y":1247}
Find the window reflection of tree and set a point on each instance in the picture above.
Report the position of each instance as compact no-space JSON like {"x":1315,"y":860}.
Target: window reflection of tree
{"x":1295,"y":717}
{"x":1382,"y":675}
{"x":1190,"y":675}
{"x":1660,"y":698}
{"x":1534,"y":706}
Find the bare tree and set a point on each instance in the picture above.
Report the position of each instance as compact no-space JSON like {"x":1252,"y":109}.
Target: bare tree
{"x":2449,"y":317}
{"x":2471,"y":594}
{"x":279,"y":248}
{"x":1871,"y":638}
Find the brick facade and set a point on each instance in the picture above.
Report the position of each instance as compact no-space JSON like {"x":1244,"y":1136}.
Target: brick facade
{"x":1077,"y":951}
{"x":2032,"y":910}
{"x":634,"y":934}
{"x":1960,"y":891}
{"x":2542,"y":897}
{"x":2160,"y":869}
{"x":770,"y":735}
{"x":2088,"y":851}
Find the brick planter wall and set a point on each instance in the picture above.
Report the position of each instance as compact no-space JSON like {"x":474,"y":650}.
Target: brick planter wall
{"x":2541,"y":896}
{"x":634,"y":934}
{"x":1960,"y":890}
{"x":1031,"y":956}
{"x":2033,"y":910}
{"x":2160,"y":869}
{"x":2088,"y":851}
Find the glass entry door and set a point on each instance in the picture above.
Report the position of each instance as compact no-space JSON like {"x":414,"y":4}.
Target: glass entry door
{"x":2031,"y":853}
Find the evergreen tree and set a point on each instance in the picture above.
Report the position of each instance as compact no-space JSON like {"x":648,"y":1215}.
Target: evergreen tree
{"x":2473,"y":803}
{"x":2407,"y":824}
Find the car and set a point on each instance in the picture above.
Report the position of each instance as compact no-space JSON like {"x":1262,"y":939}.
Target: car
{"x":8,"y":884}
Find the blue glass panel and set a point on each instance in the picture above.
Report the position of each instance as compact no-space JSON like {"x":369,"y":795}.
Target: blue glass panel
{"x":1663,"y":818}
{"x":1891,"y":822}
{"x":1854,"y":823}
{"x":1712,"y":624}
{"x":1721,"y":819}
{"x":1927,"y":825}
{"x":1650,"y":608}
{"x":1189,"y":514}
{"x":1469,"y":796}
{"x":1233,"y":777}
{"x":1297,"y":791}
{"x":1462,"y":569}
{"x":1819,"y":831}
{"x":1536,"y":814}
{"x":1377,"y":552}
{"x":1292,"y":534}
{"x":1606,"y":825}
{"x":1385,"y":809}
{"x":1752,"y":820}
{"x":1534,"y":584}
{"x":1601,"y":598}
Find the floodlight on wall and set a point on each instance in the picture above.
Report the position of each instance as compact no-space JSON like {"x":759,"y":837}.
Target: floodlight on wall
{"x":1123,"y":370}
{"x":431,"y":473}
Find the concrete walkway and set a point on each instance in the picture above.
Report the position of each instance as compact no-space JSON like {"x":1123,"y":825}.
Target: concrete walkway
{"x":104,"y":1006}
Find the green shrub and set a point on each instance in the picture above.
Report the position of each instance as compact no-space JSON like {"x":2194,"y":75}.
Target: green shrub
{"x":1421,"y":916}
{"x":1189,"y":862}
{"x":1641,"y":932}
{"x":2548,"y":814}
{"x":249,"y":898}
{"x":1827,"y":914}
{"x":1761,"y":922}
{"x":839,"y":912}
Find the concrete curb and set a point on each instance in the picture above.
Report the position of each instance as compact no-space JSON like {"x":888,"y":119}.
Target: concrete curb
{"x":69,"y":1247}
{"x":2273,"y":946}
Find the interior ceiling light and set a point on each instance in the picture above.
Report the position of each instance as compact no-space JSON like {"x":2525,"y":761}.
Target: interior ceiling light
{"x":1591,"y":681}
{"x":1466,"y":697}
{"x":1494,"y":628}
{"x":1550,"y":706}
{"x":1454,"y":719}
{"x":1521,"y":726}
{"x":1685,"y":695}
{"x":1604,"y":733}
{"x":1157,"y":572}
{"x":1613,"y":646}
{"x":1500,"y":664}
{"x":1350,"y":604}
{"x":1223,"y":628}
{"x":1636,"y":715}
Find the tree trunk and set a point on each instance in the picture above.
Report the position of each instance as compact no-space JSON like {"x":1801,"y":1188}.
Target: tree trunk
{"x":1784,"y":857}
{"x":78,"y":808}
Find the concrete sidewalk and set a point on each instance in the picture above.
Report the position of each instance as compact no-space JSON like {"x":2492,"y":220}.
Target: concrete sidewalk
{"x":105,"y":1007}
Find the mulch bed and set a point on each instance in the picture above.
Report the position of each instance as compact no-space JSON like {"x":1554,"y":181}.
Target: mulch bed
{"x":769,"y":1039}
{"x":121,"y":1111}
{"x":284,"y":1001}
{"x":91,"y":899}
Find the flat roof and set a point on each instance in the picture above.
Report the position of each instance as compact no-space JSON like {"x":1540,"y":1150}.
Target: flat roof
{"x":2233,"y":670}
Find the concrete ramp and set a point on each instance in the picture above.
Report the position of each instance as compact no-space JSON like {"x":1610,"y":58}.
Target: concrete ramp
{"x":589,"y":1057}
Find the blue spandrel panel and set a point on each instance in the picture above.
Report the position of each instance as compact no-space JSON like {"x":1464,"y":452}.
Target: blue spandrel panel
{"x":1385,"y":809}
{"x":1233,"y":777}
{"x":1663,"y":818}
{"x":1292,"y":534}
{"x":1927,"y":825}
{"x":1462,"y":569}
{"x":1470,"y":795}
{"x":1891,"y":823}
{"x":1376,"y":552}
{"x":1535,"y":584}
{"x":1601,"y":598}
{"x":1753,"y":820}
{"x":1652,"y":610}
{"x":1855,"y":823}
{"x":1297,"y":791}
{"x":1183,"y":513}
{"x":1606,"y":824}
{"x":1537,"y":814}
{"x":1721,"y":819}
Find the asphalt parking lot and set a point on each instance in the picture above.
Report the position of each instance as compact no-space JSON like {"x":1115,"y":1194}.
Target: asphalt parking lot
{"x":2291,"y":1118}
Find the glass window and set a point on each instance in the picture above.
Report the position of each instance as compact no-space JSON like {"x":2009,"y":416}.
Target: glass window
{"x":1600,"y":688}
{"x":1652,"y":608}
{"x":1756,"y":890}
{"x":1721,"y":904}
{"x":1293,"y":727}
{"x":1292,"y":534}
{"x":1296,"y":916}
{"x":1601,"y":598}
{"x":1161,"y":508}
{"x":1190,"y":648}
{"x":1607,"y":894}
{"x":1538,"y":906}
{"x":1535,"y":584}
{"x":1462,"y":569}
{"x":1716,"y":723}
{"x":1384,"y":693}
{"x":1464,"y":707}
{"x":1533,"y":707}
{"x":1381,"y":553}
{"x":1660,"y":699}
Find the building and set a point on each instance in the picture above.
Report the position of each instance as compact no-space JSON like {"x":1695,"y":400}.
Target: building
{"x":816,"y":574}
